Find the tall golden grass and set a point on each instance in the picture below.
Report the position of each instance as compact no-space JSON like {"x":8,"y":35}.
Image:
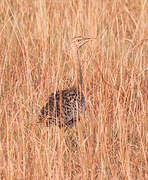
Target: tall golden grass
{"x":111,"y":140}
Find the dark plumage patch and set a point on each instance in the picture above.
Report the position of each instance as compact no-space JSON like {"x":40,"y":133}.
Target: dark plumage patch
{"x":63,"y":108}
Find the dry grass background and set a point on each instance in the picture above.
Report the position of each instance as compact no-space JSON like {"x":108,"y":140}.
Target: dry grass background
{"x":111,"y":141}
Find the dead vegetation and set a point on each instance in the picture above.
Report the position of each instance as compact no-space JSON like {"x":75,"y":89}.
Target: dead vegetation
{"x":111,"y":141}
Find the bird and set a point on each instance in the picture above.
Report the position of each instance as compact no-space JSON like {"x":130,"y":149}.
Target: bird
{"x":63,"y":108}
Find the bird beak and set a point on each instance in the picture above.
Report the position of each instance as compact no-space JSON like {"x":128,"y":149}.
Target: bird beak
{"x":87,"y":39}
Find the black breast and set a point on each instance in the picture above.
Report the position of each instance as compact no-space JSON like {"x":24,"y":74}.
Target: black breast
{"x":63,"y":107}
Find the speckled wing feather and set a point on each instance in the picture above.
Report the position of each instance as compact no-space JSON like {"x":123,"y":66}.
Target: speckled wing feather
{"x":63,"y":107}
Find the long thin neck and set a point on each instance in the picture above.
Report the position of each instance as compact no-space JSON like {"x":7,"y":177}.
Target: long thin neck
{"x":74,"y":54}
{"x":80,"y":78}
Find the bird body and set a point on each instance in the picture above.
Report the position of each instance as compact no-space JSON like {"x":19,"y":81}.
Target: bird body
{"x":64,"y":107}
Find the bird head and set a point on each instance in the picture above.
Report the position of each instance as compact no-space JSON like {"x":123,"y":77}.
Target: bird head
{"x":79,"y":41}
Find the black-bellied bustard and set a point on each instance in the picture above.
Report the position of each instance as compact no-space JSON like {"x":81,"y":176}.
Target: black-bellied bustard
{"x":64,"y":107}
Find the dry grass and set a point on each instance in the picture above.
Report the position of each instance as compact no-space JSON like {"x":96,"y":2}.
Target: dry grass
{"x":111,"y":141}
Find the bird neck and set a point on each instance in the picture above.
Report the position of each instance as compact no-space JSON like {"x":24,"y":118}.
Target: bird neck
{"x":76,"y":58}
{"x":79,"y":72}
